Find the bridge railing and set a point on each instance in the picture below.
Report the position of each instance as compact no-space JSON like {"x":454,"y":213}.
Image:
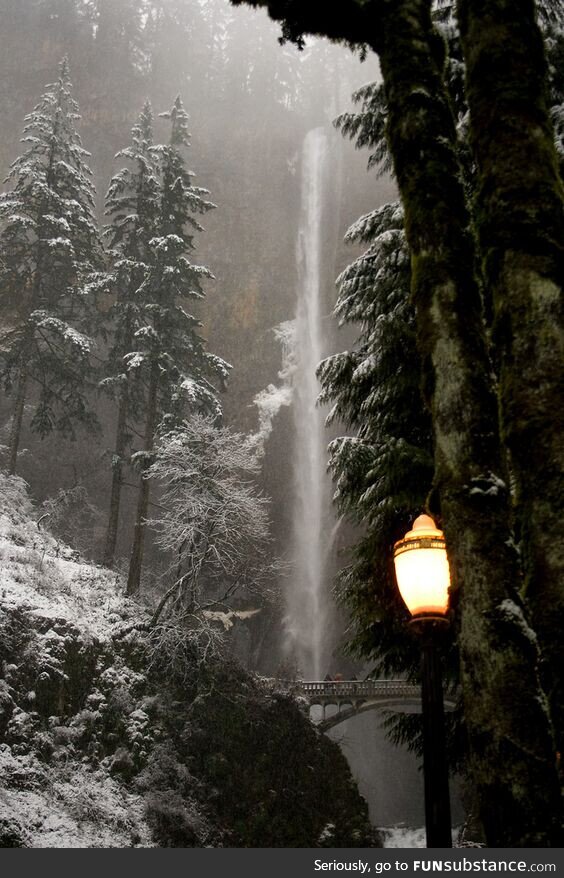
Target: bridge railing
{"x":357,"y":688}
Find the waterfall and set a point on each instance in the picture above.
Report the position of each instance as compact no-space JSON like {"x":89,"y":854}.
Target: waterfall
{"x":308,"y":616}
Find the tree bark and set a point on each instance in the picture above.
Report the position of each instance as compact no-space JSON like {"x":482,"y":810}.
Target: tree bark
{"x":512,"y":752}
{"x":17,"y":419}
{"x":117,"y":480}
{"x":137,"y":550}
{"x":520,"y":219}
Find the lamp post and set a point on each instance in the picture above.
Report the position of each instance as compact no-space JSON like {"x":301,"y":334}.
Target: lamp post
{"x":423,"y":577}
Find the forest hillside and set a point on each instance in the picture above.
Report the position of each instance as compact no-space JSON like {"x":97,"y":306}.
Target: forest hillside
{"x":95,"y":751}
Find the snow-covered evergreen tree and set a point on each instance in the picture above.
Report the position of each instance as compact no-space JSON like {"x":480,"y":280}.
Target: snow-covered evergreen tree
{"x":132,"y":203}
{"x":190,"y":374}
{"x":49,"y":247}
{"x":170,"y":356}
{"x":384,"y":471}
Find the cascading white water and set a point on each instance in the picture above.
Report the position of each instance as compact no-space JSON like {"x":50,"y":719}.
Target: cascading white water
{"x":308,"y":617}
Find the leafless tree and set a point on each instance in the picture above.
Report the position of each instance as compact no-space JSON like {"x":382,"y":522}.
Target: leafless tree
{"x":214,"y":522}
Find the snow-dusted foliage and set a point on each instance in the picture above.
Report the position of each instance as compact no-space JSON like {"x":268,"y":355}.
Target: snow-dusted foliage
{"x":213,"y":522}
{"x":383,"y":471}
{"x":367,"y":125}
{"x":42,"y":574}
{"x":190,"y":375}
{"x":49,"y":247}
{"x":72,"y":517}
{"x":132,"y":206}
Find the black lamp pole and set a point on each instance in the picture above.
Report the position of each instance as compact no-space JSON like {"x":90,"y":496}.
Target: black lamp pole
{"x":435,"y":769}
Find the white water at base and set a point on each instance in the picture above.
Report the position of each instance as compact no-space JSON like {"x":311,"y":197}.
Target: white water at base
{"x":308,"y":616}
{"x":407,"y":837}
{"x":403,"y":837}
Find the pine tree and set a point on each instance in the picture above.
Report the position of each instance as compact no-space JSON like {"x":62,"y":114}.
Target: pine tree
{"x":132,"y":202}
{"x":180,"y":376}
{"x":384,"y":472}
{"x":50,"y":247}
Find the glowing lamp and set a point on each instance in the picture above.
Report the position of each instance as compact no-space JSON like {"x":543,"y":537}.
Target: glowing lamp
{"x":422,"y":569}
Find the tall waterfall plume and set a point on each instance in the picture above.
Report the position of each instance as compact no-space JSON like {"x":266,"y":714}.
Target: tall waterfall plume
{"x":308,"y":605}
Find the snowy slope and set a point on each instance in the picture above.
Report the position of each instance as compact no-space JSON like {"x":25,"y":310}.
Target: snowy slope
{"x":107,"y":741}
{"x":61,"y":600}
{"x":46,"y":578}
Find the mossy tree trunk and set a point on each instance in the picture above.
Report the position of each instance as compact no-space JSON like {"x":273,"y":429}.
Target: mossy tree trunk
{"x":138,"y":548}
{"x":520,"y":219}
{"x":512,"y":753}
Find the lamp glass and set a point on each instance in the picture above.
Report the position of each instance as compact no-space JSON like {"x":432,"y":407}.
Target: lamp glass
{"x":422,"y":570}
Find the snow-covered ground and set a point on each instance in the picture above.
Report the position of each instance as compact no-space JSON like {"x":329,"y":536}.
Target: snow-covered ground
{"x":69,"y":807}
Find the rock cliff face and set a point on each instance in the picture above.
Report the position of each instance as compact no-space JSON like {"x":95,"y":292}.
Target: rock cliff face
{"x":107,"y":740}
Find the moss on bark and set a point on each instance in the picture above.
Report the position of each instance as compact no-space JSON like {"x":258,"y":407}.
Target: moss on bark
{"x":520,"y":217}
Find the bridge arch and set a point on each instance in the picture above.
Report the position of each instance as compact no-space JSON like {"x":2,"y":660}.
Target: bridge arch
{"x":352,"y":697}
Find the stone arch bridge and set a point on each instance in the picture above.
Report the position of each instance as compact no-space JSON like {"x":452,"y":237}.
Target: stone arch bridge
{"x":351,"y":697}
